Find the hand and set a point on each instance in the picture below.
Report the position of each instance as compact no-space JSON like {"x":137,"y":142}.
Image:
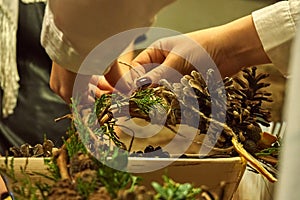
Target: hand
{"x":171,"y":58}
{"x":229,"y":47}
{"x":3,"y":188}
{"x":62,"y":83}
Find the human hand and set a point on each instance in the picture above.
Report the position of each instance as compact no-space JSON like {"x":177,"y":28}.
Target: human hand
{"x":169,"y":58}
{"x":68,"y":84}
{"x":227,"y":49}
{"x":172,"y":57}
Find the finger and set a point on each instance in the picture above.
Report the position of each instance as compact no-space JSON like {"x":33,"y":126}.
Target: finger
{"x":103,"y":84}
{"x":167,"y":70}
{"x":149,"y":57}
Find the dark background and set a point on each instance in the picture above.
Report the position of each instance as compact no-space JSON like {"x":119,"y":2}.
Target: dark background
{"x":37,"y":105}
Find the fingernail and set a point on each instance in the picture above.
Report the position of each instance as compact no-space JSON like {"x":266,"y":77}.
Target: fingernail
{"x":143,"y":82}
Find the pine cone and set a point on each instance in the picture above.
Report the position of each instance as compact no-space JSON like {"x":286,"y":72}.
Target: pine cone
{"x":86,"y":176}
{"x":80,"y":162}
{"x":139,"y":193}
{"x":253,"y":132}
{"x":101,"y":193}
{"x":252,"y":96}
{"x":62,"y":190}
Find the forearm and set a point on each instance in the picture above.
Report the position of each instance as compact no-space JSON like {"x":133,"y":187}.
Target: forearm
{"x":241,"y":45}
{"x":233,"y":46}
{"x":62,"y":81}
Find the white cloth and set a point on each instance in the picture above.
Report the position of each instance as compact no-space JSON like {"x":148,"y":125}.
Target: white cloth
{"x":276,"y":27}
{"x":9,"y":76}
{"x":8,"y":66}
{"x":70,"y":32}
{"x":289,"y":184}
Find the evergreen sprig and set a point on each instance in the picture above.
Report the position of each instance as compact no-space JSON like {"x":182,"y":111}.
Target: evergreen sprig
{"x":146,"y":99}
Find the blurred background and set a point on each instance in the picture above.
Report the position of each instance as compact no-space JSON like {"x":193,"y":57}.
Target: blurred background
{"x":190,"y":15}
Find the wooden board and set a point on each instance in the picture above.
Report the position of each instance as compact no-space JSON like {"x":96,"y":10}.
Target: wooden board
{"x":208,"y":172}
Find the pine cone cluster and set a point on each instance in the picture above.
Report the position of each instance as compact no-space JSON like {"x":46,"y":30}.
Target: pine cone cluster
{"x":235,"y":102}
{"x":38,"y":150}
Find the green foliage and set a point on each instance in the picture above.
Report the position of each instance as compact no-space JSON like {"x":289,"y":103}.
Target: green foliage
{"x":269,"y":151}
{"x":115,"y":180}
{"x":171,"y":190}
{"x":86,"y":188}
{"x":101,"y":103}
{"x":74,"y":145}
{"x":11,"y":167}
{"x":52,"y":168}
{"x":146,"y":99}
{"x":86,"y":126}
{"x":25,"y":188}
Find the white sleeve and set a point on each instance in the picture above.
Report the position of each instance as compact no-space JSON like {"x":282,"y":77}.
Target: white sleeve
{"x":58,"y":49}
{"x":70,"y":32}
{"x":276,"y":27}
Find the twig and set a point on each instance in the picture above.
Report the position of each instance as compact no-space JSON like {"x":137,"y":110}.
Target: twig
{"x":67,"y":116}
{"x":62,"y":164}
{"x":131,"y":67}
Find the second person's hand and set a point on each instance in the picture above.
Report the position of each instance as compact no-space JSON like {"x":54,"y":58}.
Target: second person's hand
{"x":229,"y":48}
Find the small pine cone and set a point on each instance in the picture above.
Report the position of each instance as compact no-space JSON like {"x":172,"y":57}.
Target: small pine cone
{"x":101,"y":193}
{"x":26,"y":150}
{"x":48,"y":145}
{"x":81,"y":162}
{"x":86,"y":176}
{"x":38,"y":150}
{"x":254,"y":132}
{"x":16,"y":151}
{"x":139,"y":193}
{"x":63,"y":190}
{"x":250,"y":146}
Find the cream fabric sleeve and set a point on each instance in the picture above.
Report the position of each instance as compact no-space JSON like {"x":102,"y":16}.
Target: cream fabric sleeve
{"x":276,"y":27}
{"x":71,"y":29}
{"x":59,"y":50}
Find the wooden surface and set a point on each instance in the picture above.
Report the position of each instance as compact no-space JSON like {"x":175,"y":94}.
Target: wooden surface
{"x":34,"y":167}
{"x":208,"y":172}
